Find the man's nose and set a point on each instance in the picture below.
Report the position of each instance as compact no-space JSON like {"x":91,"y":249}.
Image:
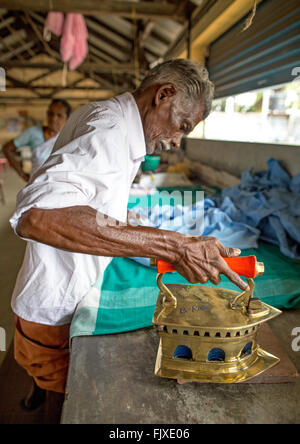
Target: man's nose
{"x":176,"y":142}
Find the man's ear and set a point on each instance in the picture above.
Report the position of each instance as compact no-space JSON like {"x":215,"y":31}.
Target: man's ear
{"x":164,"y":93}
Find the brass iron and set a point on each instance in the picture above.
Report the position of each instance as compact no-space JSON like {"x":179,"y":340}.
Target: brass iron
{"x":218,"y":330}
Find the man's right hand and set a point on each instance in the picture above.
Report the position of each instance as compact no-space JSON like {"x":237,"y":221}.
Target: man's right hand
{"x":200,"y":259}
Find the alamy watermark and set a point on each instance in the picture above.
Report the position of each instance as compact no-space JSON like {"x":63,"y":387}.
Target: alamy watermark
{"x":165,"y":210}
{"x":2,"y":339}
{"x":296,"y":74}
{"x":296,"y":341}
{"x":2,"y":79}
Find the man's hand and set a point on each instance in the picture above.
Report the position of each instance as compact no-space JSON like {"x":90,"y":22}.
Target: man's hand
{"x":200,"y":259}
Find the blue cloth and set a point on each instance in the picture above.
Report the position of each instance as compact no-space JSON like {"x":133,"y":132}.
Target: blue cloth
{"x":32,"y":137}
{"x":203,"y":218}
{"x":266,"y":206}
{"x":270,"y":202}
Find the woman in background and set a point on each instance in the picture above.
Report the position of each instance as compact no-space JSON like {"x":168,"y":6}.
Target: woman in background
{"x":35,"y":136}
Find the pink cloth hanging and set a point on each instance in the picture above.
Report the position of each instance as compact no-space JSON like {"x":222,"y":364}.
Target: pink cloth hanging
{"x":80,"y":48}
{"x":68,"y":39}
{"x":73,"y":43}
{"x":54,"y":22}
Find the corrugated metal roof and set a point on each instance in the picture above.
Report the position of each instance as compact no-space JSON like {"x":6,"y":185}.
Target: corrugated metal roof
{"x":262,"y":56}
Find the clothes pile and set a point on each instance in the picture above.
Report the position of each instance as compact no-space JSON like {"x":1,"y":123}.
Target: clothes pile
{"x":265,"y":205}
{"x":268,"y":201}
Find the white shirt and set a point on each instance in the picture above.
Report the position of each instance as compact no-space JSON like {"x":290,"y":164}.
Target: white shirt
{"x":93,"y":163}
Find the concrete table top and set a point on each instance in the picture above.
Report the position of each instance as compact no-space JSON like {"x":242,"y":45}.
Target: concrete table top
{"x":111,"y":381}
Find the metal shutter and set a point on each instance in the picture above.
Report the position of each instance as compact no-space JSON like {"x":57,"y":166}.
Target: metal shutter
{"x":262,"y":56}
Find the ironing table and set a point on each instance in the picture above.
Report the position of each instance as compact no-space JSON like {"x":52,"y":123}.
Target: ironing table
{"x":111,"y":381}
{"x":111,"y":377}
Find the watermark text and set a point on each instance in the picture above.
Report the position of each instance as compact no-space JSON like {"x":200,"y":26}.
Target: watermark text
{"x":2,"y":339}
{"x":296,"y":341}
{"x":2,"y":79}
{"x":296,"y":74}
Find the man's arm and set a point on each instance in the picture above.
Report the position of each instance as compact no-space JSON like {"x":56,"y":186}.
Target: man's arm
{"x":9,"y":150}
{"x":82,"y":229}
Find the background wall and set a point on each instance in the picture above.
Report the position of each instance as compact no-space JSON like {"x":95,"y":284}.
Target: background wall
{"x":235,"y":157}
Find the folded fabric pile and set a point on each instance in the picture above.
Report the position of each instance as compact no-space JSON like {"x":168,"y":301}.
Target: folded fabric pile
{"x":266,"y":205}
{"x":268,"y":201}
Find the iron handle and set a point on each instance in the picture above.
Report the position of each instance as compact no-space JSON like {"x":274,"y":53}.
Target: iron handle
{"x":246,"y":266}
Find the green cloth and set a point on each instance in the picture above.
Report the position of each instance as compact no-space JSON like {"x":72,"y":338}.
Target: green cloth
{"x":129,"y":291}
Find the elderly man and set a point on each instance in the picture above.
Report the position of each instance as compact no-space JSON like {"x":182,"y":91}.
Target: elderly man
{"x":89,"y":174}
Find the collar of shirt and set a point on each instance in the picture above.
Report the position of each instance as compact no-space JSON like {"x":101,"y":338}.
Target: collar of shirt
{"x":134,"y":124}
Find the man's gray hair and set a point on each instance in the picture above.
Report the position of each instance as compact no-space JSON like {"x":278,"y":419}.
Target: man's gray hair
{"x":189,"y":77}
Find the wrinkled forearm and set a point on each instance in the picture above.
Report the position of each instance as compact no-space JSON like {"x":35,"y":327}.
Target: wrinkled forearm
{"x":77,"y":229}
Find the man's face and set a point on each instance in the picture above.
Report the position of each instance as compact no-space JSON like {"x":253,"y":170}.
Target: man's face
{"x":168,"y":121}
{"x":57,"y":117}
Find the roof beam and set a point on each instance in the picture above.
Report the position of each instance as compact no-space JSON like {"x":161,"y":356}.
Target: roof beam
{"x":7,"y":99}
{"x":115,"y":52}
{"x":16,"y":51}
{"x":110,"y":35}
{"x":59,"y":87}
{"x":13,"y":39}
{"x":123,"y":8}
{"x":6,"y":22}
{"x":87,"y":66}
{"x":19,"y":84}
{"x":104,"y":84}
{"x":45,"y":74}
{"x":38,"y":34}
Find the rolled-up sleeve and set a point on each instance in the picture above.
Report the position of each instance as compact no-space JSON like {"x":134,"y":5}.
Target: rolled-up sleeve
{"x":79,"y":173}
